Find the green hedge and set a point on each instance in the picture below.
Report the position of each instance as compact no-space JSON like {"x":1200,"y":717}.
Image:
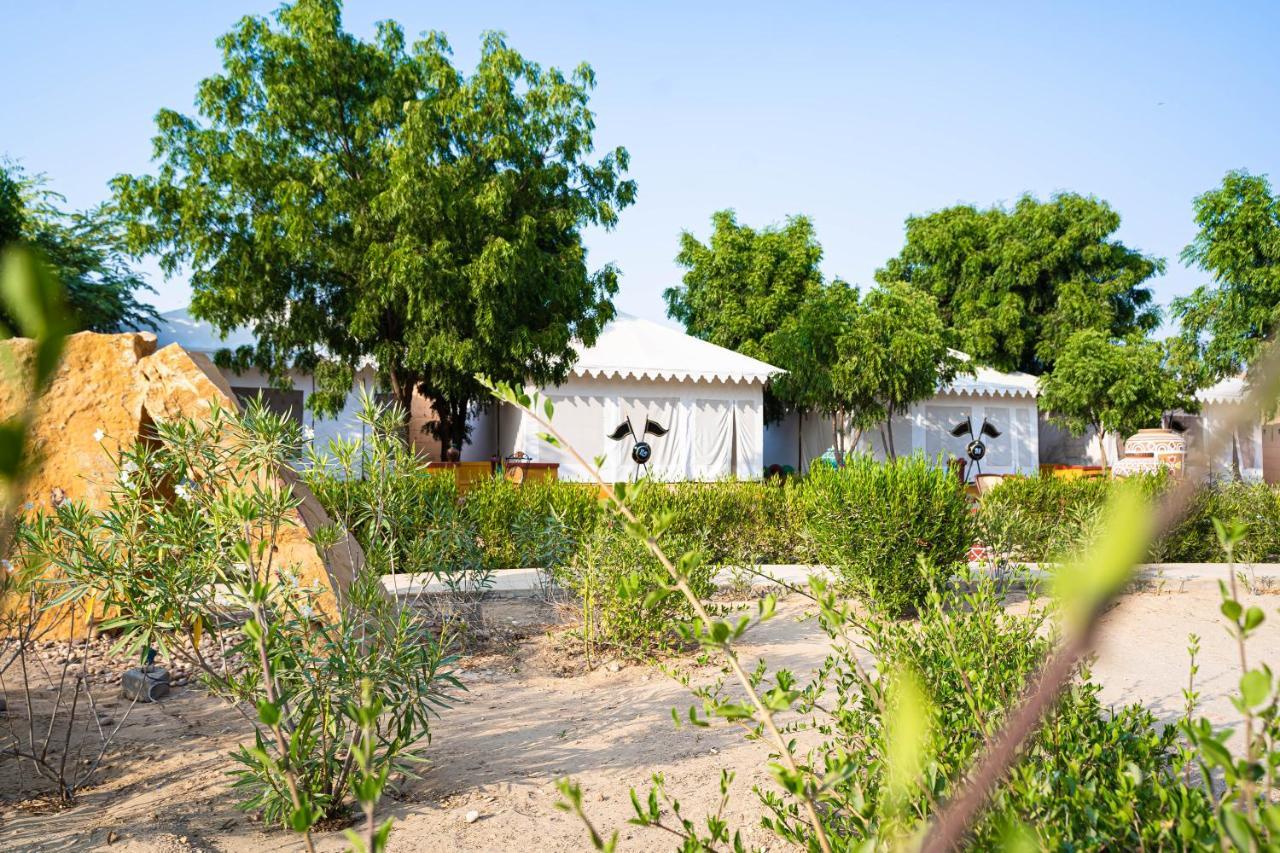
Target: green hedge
{"x":869,"y":520}
{"x":1044,"y":518}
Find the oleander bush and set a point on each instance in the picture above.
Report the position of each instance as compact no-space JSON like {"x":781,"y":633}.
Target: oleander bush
{"x":340,"y":690}
{"x":878,"y":524}
{"x":1092,"y":777}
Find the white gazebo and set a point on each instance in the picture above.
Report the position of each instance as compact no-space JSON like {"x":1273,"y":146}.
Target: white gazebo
{"x":708,"y":399}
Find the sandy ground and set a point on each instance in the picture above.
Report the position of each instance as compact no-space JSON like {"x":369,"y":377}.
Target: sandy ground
{"x":523,"y":725}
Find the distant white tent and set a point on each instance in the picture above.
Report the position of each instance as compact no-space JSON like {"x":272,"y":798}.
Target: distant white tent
{"x":1219,"y":405}
{"x":710,"y":401}
{"x":199,"y":336}
{"x":1006,"y":400}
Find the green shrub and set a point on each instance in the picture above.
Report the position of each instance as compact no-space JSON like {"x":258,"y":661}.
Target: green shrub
{"x":877,"y":524}
{"x":1255,"y":505}
{"x":179,"y":557}
{"x":1090,"y":778}
{"x":731,"y":522}
{"x":530,"y":524}
{"x":1047,"y":518}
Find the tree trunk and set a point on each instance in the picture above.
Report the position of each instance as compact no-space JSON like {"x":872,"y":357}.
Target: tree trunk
{"x":1102,"y":446}
{"x":451,"y":423}
{"x":1235,"y":456}
{"x":800,"y":442}
{"x":888,"y":431}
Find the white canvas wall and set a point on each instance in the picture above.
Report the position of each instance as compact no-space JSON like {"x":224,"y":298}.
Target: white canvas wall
{"x":346,"y":424}
{"x":796,"y":442}
{"x":1211,"y":426}
{"x":715,"y":429}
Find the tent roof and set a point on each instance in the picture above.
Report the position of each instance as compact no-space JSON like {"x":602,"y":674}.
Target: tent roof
{"x":632,"y":348}
{"x":989,"y":382}
{"x":179,"y":327}
{"x":1230,"y":390}
{"x":628,"y":347}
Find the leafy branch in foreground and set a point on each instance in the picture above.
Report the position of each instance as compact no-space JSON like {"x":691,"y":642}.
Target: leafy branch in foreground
{"x":714,"y":635}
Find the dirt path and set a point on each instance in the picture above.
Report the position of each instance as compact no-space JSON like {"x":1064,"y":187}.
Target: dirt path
{"x":500,"y":752}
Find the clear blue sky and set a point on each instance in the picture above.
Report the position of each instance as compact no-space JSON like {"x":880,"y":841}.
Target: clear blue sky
{"x":857,"y":115}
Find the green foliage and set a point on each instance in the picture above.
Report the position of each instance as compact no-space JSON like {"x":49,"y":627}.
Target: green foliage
{"x":744,"y":282}
{"x":538,"y":524}
{"x":805,"y":343}
{"x":84,"y":250}
{"x":1245,"y":779}
{"x":1111,"y":386}
{"x":1039,"y":519}
{"x":1075,"y":785}
{"x":1238,"y":244}
{"x":880,"y":524}
{"x":366,"y":199}
{"x":1013,"y":284}
{"x":184,"y":548}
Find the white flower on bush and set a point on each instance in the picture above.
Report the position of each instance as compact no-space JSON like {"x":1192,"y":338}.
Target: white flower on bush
{"x":306,"y":611}
{"x":308,"y":433}
{"x":129,"y":467}
{"x":8,"y":566}
{"x":98,"y":435}
{"x":182,"y":491}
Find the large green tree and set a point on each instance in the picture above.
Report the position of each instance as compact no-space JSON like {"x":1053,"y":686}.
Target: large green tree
{"x":1112,"y":385}
{"x":354,"y":200}
{"x":1014,"y":283}
{"x":742,"y":286}
{"x":1238,"y":244}
{"x":83,"y":249}
{"x":744,"y":282}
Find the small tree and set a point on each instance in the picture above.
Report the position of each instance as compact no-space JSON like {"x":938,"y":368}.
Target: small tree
{"x":807,"y":344}
{"x":893,"y":354}
{"x":1111,"y":385}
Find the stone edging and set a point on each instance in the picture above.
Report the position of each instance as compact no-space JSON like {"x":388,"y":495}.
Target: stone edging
{"x":526,"y":583}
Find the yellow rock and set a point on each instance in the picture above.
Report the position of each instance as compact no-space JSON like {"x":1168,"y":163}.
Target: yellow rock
{"x":107,"y":391}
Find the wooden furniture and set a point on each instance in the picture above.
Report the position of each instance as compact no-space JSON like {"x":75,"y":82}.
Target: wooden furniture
{"x":467,"y":475}
{"x":524,"y":471}
{"x":1071,"y":472}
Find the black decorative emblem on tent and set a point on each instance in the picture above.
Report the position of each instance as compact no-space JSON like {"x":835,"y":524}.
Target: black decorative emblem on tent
{"x":976,"y":449}
{"x":641,"y":451}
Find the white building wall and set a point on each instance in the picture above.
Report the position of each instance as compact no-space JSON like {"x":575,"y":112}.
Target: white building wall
{"x":346,"y":424}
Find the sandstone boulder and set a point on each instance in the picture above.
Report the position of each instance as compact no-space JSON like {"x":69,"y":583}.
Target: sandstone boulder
{"x":107,"y":391}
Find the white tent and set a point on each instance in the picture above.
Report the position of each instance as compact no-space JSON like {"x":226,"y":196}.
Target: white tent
{"x":199,"y":336}
{"x":1006,"y":400}
{"x":1220,"y":404}
{"x":708,"y":398}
